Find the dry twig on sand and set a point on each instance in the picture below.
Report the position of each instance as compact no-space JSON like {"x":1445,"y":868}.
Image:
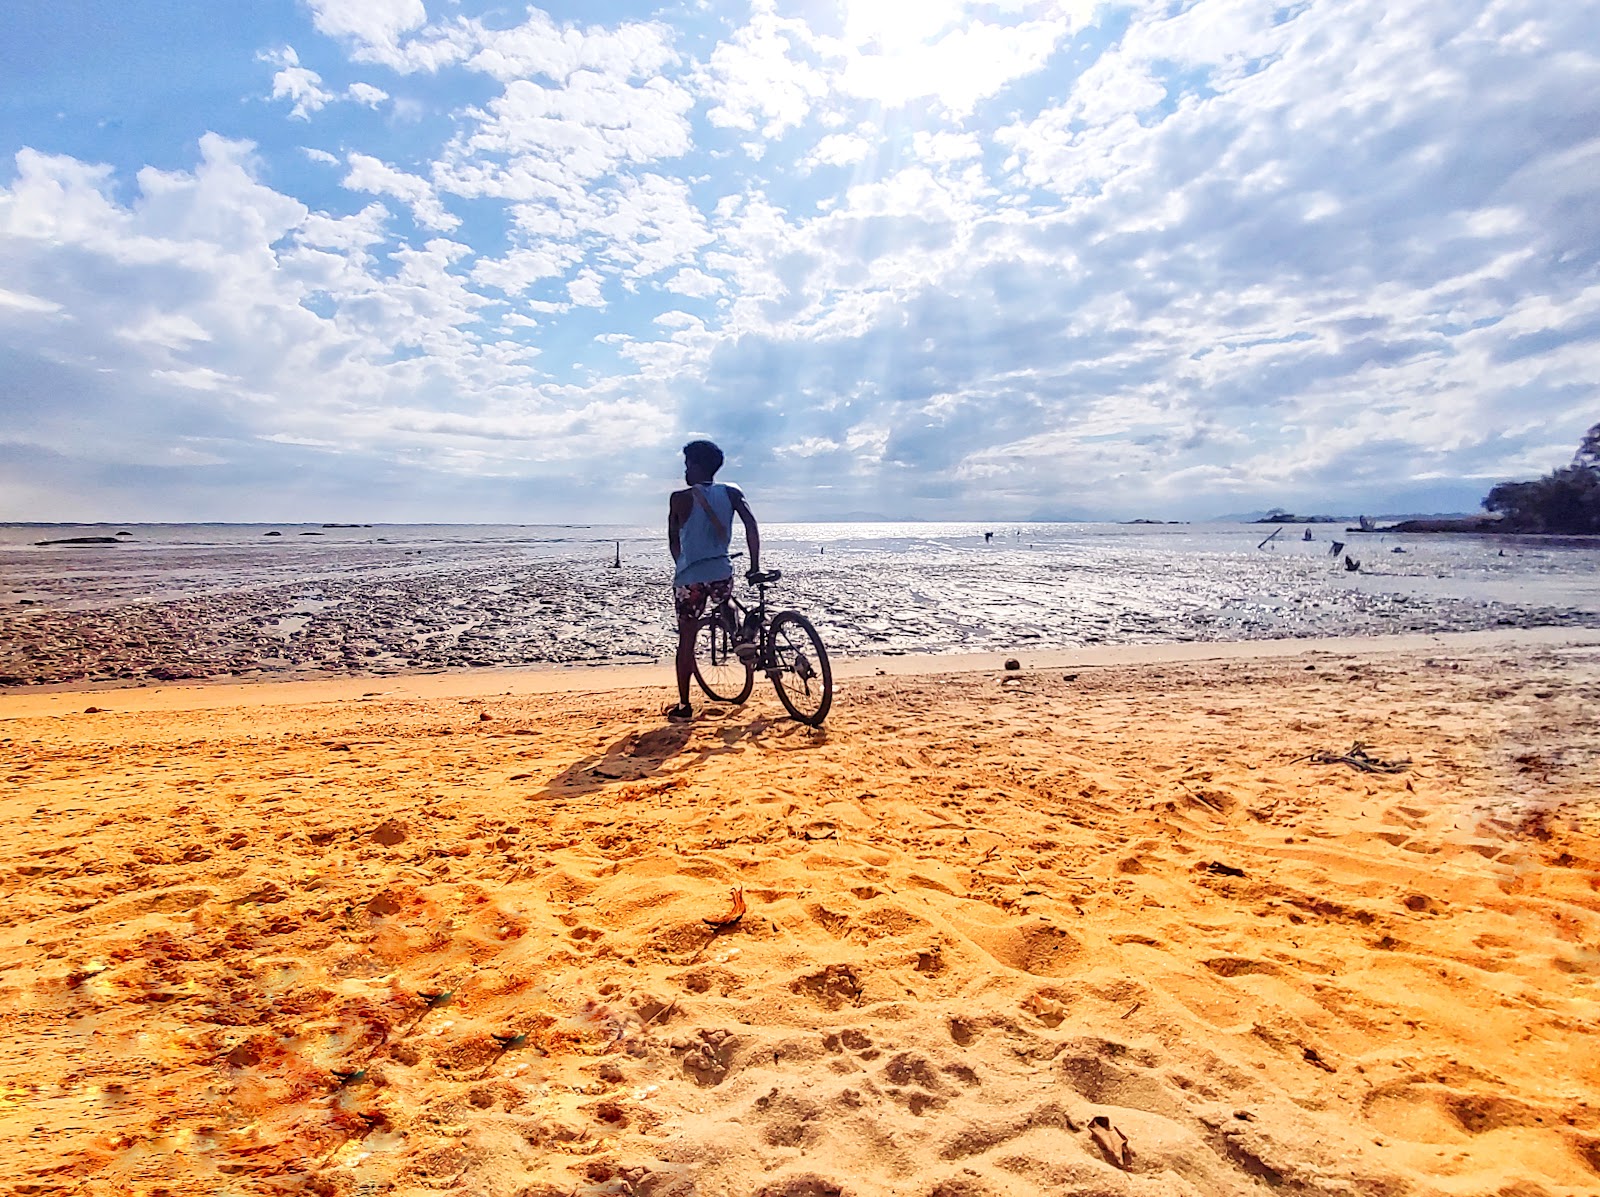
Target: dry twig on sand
{"x":1358,"y":758}
{"x":736,"y":911}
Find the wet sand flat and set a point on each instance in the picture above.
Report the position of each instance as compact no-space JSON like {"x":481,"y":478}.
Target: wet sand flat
{"x":1108,"y":930}
{"x":419,"y":600}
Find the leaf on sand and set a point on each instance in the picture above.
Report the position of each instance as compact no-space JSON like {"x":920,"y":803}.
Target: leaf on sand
{"x":736,"y":909}
{"x":1111,"y":1141}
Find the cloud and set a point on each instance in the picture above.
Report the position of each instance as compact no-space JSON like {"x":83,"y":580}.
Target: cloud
{"x":759,"y":79}
{"x":372,"y":24}
{"x":303,"y":87}
{"x":838,"y":149}
{"x":379,"y":178}
{"x":1193,"y":258}
{"x":365,"y":93}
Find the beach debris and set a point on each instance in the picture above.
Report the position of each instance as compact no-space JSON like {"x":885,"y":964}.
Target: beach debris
{"x":660,"y":1012}
{"x":434,"y":998}
{"x":1351,"y":565}
{"x":1335,"y":548}
{"x":388,"y":833}
{"x":1314,"y":1058}
{"x":484,"y":716}
{"x":1111,"y":1141}
{"x":1012,"y":665}
{"x":736,"y":910}
{"x":1218,"y":868}
{"x":1131,"y":1011}
{"x":349,"y":1076}
{"x":94,"y":710}
{"x":1271,"y":538}
{"x":1357,"y":757}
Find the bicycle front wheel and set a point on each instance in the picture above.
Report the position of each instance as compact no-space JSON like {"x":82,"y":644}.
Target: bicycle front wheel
{"x":799,"y":667}
{"x":717,"y":667}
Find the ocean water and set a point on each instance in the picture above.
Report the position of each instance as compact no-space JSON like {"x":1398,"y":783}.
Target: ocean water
{"x":229,"y":600}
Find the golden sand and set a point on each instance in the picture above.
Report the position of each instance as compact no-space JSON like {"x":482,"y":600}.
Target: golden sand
{"x":1099,"y":930}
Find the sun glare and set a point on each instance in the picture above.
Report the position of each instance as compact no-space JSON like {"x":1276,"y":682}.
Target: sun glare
{"x":895,"y":27}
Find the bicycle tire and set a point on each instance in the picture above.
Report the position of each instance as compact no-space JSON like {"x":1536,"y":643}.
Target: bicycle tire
{"x":718,"y":669}
{"x":800,"y":670}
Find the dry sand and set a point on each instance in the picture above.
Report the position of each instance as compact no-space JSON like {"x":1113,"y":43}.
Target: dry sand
{"x":984,"y":911}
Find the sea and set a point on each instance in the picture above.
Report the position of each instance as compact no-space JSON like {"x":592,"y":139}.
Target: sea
{"x":175,"y":601}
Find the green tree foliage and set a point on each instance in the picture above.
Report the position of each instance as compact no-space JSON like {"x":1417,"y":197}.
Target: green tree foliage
{"x":1564,"y":500}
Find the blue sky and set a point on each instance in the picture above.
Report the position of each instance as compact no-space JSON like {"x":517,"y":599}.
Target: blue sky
{"x":448,"y":260}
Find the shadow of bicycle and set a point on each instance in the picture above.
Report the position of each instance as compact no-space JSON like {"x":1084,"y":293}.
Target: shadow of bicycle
{"x":642,"y":756}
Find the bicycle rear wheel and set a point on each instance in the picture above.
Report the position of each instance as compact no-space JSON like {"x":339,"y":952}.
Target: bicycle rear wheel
{"x":800,"y":670}
{"x":717,"y":667}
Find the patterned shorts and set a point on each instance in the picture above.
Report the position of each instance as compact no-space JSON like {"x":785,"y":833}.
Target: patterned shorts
{"x":691,"y":600}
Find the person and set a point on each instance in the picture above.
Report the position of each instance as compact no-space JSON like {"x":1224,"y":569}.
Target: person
{"x":699,"y":529}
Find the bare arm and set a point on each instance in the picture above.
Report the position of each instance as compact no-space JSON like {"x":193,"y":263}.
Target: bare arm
{"x":752,"y":533}
{"x":677,"y":512}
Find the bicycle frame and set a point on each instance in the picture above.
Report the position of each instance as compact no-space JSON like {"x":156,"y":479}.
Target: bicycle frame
{"x":734,"y":615}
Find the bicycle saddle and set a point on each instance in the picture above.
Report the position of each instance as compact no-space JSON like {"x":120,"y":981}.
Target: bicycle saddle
{"x":772,"y":575}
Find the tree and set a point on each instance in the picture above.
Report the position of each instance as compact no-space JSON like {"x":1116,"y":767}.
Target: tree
{"x":1564,"y":500}
{"x":1588,"y":454}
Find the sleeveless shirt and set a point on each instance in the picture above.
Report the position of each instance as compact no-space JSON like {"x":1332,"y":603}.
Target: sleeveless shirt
{"x":702,"y":550}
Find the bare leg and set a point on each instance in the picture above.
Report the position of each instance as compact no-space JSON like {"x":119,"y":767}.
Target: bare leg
{"x":685,"y":660}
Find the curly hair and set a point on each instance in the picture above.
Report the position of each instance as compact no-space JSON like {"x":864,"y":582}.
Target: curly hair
{"x":705,"y":455}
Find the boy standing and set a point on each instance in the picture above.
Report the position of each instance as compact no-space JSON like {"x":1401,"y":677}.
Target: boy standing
{"x":699,"y":529}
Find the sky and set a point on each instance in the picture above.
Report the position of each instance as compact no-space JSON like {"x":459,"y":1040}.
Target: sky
{"x":445,"y":260}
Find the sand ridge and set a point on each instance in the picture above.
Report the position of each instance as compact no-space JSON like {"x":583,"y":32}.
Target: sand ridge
{"x":459,"y":944}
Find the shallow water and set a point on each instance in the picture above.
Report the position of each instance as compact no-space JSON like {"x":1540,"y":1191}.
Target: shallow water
{"x":200,"y":600}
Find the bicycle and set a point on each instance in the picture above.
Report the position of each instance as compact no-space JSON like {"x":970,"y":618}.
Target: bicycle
{"x":733,"y":640}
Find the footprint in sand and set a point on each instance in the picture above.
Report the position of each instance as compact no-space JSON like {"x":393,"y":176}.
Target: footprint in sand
{"x":708,"y":1057}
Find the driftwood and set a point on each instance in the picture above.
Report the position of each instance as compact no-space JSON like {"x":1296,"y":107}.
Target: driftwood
{"x":1357,"y":758}
{"x":1269,"y":539}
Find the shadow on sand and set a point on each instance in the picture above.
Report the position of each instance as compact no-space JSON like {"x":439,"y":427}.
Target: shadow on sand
{"x":642,"y":755}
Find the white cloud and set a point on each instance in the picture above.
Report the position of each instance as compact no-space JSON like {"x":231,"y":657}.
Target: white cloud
{"x":838,"y":149}
{"x":1233,"y":245}
{"x":540,"y":47}
{"x":365,"y":93}
{"x":520,"y":269}
{"x":694,"y":283}
{"x":374,"y":24}
{"x":298,"y":84}
{"x":379,"y":178}
{"x":756,"y":78}
{"x":304,"y":88}
{"x":586,"y":290}
{"x":590,"y":126}
{"x":966,"y":65}
{"x":946,"y":147}
{"x":26,"y":303}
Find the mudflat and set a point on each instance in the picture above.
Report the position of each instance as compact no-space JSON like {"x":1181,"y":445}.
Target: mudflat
{"x":1128,"y":929}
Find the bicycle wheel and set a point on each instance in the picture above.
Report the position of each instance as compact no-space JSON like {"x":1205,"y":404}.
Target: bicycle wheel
{"x":799,"y":667}
{"x":717,"y":667}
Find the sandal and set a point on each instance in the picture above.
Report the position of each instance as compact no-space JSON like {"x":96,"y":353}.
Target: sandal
{"x":681,"y":713}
